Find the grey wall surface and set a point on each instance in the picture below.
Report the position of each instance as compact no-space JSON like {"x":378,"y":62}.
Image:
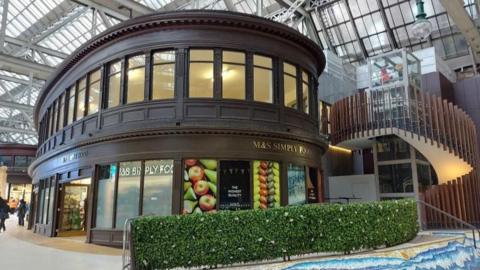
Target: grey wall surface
{"x":467,"y":97}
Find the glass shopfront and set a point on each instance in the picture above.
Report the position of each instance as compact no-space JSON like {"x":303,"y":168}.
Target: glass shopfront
{"x":296,"y":184}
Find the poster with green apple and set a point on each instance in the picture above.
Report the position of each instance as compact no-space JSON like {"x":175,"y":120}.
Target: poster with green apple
{"x":199,"y":186}
{"x":266,"y":184}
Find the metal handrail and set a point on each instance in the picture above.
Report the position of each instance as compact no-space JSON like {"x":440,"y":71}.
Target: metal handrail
{"x":126,"y":258}
{"x":470,"y":226}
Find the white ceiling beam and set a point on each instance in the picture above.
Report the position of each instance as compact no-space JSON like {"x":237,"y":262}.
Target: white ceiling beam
{"x":230,"y":6}
{"x":462,"y":20}
{"x":18,"y":130}
{"x":135,"y":6}
{"x":42,"y":49}
{"x":107,"y":7}
{"x":25,"y":67}
{"x":20,"y":81}
{"x":3,"y":28}
{"x":16,"y":105}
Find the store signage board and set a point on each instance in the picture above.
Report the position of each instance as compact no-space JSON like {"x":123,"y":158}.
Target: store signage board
{"x":281,"y":147}
{"x":73,"y":156}
{"x":235,"y":185}
{"x":161,"y":167}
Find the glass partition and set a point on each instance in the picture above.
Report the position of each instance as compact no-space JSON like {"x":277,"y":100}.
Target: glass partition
{"x":233,"y":75}
{"x":163,"y":77}
{"x":297,"y":193}
{"x":200,"y":83}
{"x":114,"y":81}
{"x":290,"y":85}
{"x":262,"y":79}
{"x":135,"y":79}
{"x":94,"y":92}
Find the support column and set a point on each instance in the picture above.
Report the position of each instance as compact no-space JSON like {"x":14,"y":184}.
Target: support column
{"x":413,"y":164}
{"x":3,"y":182}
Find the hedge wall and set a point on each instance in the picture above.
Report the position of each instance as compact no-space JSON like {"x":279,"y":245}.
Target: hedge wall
{"x":229,"y":237}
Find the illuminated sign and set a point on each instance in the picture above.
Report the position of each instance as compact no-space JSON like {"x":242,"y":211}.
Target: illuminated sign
{"x":281,"y":147}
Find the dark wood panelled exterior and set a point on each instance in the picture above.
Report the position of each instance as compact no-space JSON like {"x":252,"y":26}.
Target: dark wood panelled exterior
{"x":429,"y":118}
{"x":182,"y":127}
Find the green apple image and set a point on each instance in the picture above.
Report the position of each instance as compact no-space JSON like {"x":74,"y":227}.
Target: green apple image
{"x":210,"y":164}
{"x":276,"y":166}
{"x":190,"y":195}
{"x":207,"y":202}
{"x":188,"y":206}
{"x":201,"y":188}
{"x":195,"y":173}
{"x":212,"y":175}
{"x":186,"y":186}
{"x":212,"y":187}
{"x":185,"y":176}
{"x":197,"y":211}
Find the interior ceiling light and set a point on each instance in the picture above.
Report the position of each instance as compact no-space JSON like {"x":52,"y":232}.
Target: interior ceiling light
{"x":422,"y":28}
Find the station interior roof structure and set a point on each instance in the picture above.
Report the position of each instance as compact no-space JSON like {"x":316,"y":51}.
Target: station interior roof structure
{"x":37,"y":35}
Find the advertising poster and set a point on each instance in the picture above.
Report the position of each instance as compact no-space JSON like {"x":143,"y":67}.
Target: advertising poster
{"x":235,"y":185}
{"x":200,"y":186}
{"x":296,"y":184}
{"x":266,"y":184}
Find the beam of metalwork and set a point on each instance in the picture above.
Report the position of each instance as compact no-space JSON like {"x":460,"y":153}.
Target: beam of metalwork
{"x":4,"y":24}
{"x":230,"y":6}
{"x":391,"y":36}
{"x":324,"y":30}
{"x":42,"y":49}
{"x":259,"y":10}
{"x":16,"y":105}
{"x":311,"y":29}
{"x":104,"y":18}
{"x":18,"y":130}
{"x":355,"y":30}
{"x":22,"y":66}
{"x":20,"y":81}
{"x":462,"y":20}
{"x":107,"y":10}
{"x":135,"y":6}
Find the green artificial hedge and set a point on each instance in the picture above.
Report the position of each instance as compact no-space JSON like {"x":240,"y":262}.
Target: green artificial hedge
{"x":229,"y":237}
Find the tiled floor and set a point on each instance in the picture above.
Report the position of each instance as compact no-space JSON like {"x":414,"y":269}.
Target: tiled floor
{"x":21,"y":249}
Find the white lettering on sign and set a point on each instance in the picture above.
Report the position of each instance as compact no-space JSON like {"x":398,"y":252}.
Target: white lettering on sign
{"x":150,"y":170}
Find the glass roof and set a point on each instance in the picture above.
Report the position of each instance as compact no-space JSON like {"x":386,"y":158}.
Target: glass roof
{"x":48,"y":31}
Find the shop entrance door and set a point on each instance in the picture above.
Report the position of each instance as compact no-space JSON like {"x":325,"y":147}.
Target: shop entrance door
{"x":72,"y":210}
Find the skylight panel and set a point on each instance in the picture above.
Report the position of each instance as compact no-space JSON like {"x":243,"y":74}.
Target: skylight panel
{"x":23,"y":14}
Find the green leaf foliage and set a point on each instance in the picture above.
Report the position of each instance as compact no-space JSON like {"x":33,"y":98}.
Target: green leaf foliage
{"x":229,"y":237}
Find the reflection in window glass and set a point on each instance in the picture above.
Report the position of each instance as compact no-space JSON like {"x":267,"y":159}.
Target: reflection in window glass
{"x":71,"y":105}
{"x":290,"y":85}
{"x":305,"y":92}
{"x":41,"y":202}
{"x":392,"y":148}
{"x":6,"y":161}
{"x":296,"y":184}
{"x":201,"y":74}
{"x":81,"y":99}
{"x":114,"y":78}
{"x":45,"y":202}
{"x":94,"y":92}
{"x":233,"y":75}
{"x":61,"y":111}
{"x":128,"y":193}
{"x":105,"y":198}
{"x":163,"y":84}
{"x":396,"y":178}
{"x":262,"y":79}
{"x":21,"y":161}
{"x":157,"y":189}
{"x":136,"y":79}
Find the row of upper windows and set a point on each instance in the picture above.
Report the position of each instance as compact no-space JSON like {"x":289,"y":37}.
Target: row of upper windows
{"x":84,"y":97}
